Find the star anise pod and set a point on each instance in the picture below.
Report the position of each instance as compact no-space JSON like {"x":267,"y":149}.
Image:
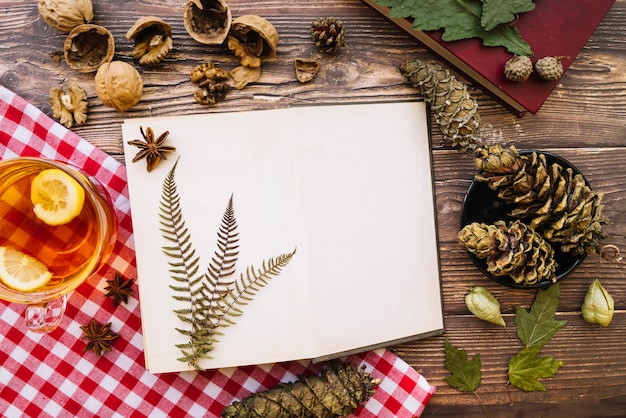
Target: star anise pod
{"x":151,"y":149}
{"x":99,"y":337}
{"x":119,"y":289}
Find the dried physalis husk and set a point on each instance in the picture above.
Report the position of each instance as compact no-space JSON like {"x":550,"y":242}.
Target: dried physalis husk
{"x":69,"y":107}
{"x":253,"y":38}
{"x":242,"y":75}
{"x":207,"y":21}
{"x":306,"y":69}
{"x":119,"y":85}
{"x":482,"y":303}
{"x":598,"y":306}
{"x":87,"y":47}
{"x":153,"y":39}
{"x":65,"y":15}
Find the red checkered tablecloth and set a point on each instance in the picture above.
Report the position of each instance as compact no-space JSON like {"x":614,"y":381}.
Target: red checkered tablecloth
{"x":50,"y":375}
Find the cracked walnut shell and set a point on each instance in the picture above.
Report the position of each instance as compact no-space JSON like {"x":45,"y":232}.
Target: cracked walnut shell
{"x":153,"y":39}
{"x":87,"y":47}
{"x":207,"y":21}
{"x":65,"y":15}
{"x":253,"y":37}
{"x":119,"y":85}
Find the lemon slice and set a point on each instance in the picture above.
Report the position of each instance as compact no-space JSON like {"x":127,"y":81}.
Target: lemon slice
{"x":57,"y":198}
{"x":22,"y":272}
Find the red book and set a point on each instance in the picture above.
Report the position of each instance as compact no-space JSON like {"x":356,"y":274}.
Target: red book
{"x":553,"y":28}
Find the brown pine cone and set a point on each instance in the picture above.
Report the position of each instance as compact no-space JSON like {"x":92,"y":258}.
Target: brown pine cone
{"x":328,"y":33}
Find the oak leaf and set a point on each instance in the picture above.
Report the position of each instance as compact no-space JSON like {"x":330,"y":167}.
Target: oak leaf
{"x":496,"y":12}
{"x":460,"y":19}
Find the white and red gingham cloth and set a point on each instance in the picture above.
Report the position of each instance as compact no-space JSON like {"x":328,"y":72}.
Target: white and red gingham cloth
{"x":50,"y":375}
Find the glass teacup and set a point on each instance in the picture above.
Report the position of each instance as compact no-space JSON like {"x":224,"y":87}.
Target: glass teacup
{"x":72,"y":251}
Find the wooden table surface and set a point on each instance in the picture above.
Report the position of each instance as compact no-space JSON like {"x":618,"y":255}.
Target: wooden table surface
{"x":584,"y":120}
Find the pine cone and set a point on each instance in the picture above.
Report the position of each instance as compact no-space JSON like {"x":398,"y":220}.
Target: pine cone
{"x":556,"y":202}
{"x":513,"y":250}
{"x":338,"y":391}
{"x":455,"y":110}
{"x":328,"y":33}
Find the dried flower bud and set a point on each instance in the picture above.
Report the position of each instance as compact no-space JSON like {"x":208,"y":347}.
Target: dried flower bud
{"x":484,"y":305}
{"x":518,"y":68}
{"x":119,"y":85}
{"x":70,"y":107}
{"x":598,"y":305}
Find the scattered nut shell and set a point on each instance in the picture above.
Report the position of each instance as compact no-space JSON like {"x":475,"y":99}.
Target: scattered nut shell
{"x":258,"y":35}
{"x":65,"y":15}
{"x":153,"y":39}
{"x":242,"y":75}
{"x":207,"y":21}
{"x":87,"y":47}
{"x":306,"y":69}
{"x":119,"y":85}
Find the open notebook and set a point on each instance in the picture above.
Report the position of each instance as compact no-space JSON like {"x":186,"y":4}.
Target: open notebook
{"x":348,"y":186}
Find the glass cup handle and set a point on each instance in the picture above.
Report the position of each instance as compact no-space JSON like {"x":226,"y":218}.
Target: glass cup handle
{"x":46,"y":316}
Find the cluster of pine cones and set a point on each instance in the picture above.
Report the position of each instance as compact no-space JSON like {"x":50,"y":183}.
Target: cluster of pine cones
{"x":553,"y":206}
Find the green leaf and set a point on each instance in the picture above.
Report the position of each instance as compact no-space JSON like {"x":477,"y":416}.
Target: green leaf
{"x":525,"y":369}
{"x":459,"y":19}
{"x":537,"y":327}
{"x":496,"y":12}
{"x":465,"y":374}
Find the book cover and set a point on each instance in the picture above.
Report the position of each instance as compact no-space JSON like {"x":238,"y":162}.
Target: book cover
{"x":348,"y":187}
{"x":553,"y":28}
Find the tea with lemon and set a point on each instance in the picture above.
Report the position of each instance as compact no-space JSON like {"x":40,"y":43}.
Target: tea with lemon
{"x":56,"y":228}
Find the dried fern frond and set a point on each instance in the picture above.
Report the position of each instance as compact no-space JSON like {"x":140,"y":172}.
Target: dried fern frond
{"x":213,"y":299}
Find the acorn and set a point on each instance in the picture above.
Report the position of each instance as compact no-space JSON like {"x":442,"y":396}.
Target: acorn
{"x":518,"y":68}
{"x":550,"y":68}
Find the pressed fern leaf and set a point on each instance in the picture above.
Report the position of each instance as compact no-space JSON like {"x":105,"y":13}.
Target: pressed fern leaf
{"x":214,"y":299}
{"x":184,"y":271}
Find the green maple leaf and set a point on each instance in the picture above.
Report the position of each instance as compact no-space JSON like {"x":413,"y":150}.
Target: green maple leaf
{"x":465,"y":374}
{"x":459,"y":19}
{"x":537,"y":327}
{"x":496,"y":12}
{"x":525,"y":369}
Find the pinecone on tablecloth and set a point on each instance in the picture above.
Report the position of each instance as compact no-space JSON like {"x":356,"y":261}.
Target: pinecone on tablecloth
{"x":455,"y":110}
{"x":328,"y":33}
{"x":554,"y":201}
{"x":514,"y":250}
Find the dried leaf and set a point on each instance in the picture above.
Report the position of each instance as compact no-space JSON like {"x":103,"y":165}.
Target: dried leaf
{"x":525,"y":369}
{"x":537,"y":327}
{"x":465,"y":374}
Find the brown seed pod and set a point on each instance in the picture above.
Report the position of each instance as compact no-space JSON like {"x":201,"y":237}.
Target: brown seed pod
{"x":153,"y":39}
{"x":207,"y":21}
{"x":119,"y":85}
{"x":258,"y":37}
{"x":65,"y":15}
{"x":87,"y":47}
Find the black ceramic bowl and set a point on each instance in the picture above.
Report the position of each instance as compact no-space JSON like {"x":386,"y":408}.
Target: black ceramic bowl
{"x":481,"y":204}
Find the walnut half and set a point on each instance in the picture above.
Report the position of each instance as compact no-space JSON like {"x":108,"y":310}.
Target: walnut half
{"x":71,"y":107}
{"x":153,"y":39}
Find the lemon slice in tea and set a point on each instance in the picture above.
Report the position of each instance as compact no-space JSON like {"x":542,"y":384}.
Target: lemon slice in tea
{"x":22,"y":272}
{"x":56,"y":196}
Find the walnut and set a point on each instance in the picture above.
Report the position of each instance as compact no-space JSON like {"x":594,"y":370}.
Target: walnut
{"x":207,"y":21}
{"x":242,"y":76}
{"x":153,"y":39}
{"x":87,"y":47}
{"x":214,"y":82}
{"x":70,"y":107}
{"x":306,"y":69}
{"x":65,"y":15}
{"x":253,"y":37}
{"x":119,"y":85}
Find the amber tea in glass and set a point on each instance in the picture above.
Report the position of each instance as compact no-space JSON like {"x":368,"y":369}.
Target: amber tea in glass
{"x":72,"y":252}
